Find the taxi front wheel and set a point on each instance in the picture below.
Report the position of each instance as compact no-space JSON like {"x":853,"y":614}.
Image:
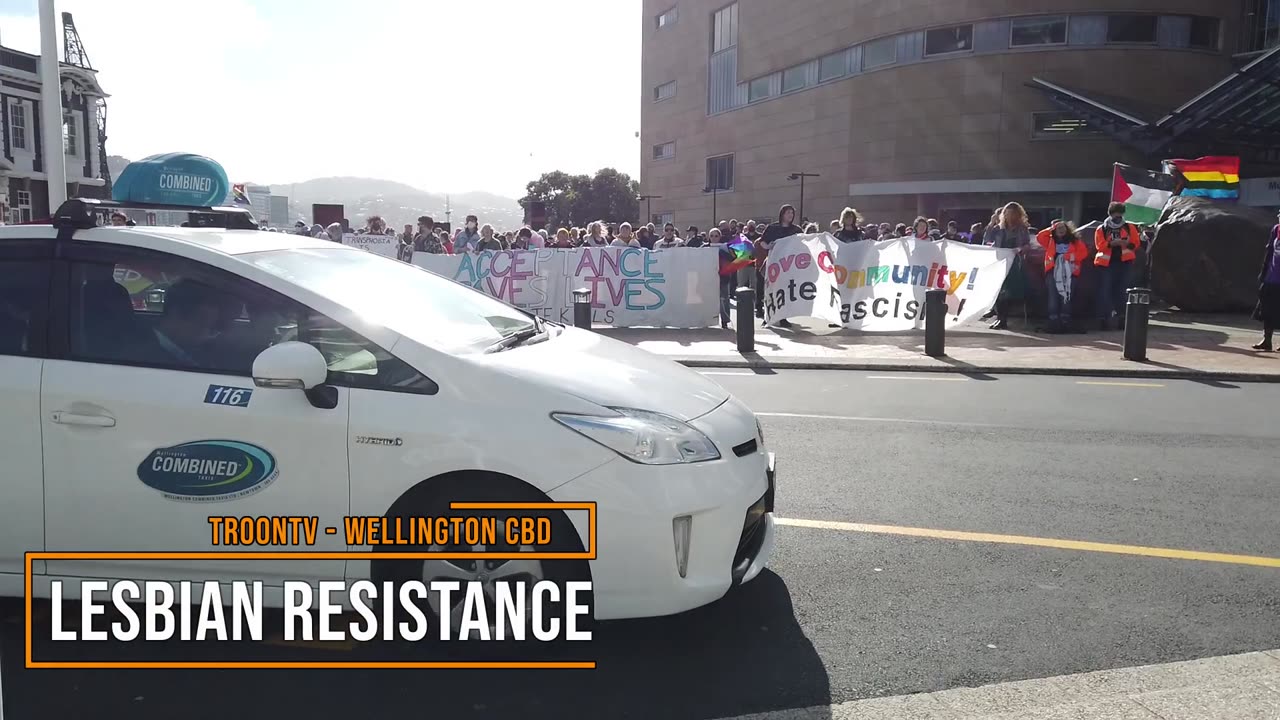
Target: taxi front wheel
{"x":433,"y":500}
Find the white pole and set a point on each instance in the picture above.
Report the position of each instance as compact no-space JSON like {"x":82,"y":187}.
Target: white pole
{"x":55,"y":168}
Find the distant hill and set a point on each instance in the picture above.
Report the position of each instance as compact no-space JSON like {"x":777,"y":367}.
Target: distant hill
{"x":397,"y":203}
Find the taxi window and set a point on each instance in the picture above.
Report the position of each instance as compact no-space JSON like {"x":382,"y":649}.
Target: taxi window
{"x":24,"y":292}
{"x":172,"y":313}
{"x":158,"y":310}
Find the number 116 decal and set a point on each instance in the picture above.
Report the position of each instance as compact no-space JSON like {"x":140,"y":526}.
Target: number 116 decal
{"x":223,"y":395}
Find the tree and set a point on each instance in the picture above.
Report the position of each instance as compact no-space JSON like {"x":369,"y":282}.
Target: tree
{"x":579,"y":199}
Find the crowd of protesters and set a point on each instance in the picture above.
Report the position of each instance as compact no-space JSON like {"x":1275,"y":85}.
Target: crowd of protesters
{"x":1111,"y":249}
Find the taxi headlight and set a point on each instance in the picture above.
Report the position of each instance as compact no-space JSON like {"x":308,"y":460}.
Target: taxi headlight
{"x":643,"y":436}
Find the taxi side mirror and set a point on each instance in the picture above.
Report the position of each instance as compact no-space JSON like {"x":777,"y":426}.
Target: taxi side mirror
{"x":290,"y":365}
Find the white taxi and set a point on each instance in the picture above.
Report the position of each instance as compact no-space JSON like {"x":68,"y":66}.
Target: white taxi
{"x":152,"y":377}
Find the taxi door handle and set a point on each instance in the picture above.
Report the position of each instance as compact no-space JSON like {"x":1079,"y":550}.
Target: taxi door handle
{"x":65,"y":418}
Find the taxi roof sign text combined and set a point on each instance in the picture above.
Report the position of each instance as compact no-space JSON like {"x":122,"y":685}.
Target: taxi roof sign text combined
{"x":181,"y":179}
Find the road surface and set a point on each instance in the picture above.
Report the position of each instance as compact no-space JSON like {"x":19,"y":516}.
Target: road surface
{"x":939,"y":531}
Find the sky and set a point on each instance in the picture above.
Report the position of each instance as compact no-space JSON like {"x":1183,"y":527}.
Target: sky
{"x":444,"y":95}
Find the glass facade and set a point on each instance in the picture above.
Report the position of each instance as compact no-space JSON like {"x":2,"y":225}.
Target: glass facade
{"x":1261,"y":25}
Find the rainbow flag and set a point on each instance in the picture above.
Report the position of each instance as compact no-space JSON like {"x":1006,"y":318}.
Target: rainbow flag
{"x":1216,"y":177}
{"x":241,"y":197}
{"x":735,"y":255}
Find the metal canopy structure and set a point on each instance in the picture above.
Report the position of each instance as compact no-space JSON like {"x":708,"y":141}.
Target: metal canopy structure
{"x":1238,"y":116}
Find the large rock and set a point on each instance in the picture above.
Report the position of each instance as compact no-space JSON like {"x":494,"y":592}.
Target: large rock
{"x":1207,"y":254}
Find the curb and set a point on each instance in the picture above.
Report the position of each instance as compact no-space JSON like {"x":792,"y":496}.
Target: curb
{"x":1117,"y":372}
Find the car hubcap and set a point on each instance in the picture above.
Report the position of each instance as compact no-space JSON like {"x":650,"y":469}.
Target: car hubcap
{"x":484,"y":571}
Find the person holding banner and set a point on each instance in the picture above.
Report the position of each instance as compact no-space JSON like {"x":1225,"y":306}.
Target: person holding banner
{"x":563,"y":240}
{"x":716,"y":240}
{"x":595,"y":235}
{"x":625,"y":238}
{"x":1011,"y":231}
{"x":487,"y":239}
{"x":920,"y":230}
{"x":785,"y":227}
{"x":849,"y":230}
{"x":668,"y":239}
{"x":1268,"y":309}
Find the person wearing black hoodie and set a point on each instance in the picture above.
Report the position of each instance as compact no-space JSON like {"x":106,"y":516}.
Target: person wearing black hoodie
{"x":785,"y":227}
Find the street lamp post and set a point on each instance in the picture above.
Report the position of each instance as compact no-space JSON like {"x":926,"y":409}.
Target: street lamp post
{"x":714,"y":213}
{"x":801,"y":176}
{"x":51,"y":108}
{"x":648,"y":206}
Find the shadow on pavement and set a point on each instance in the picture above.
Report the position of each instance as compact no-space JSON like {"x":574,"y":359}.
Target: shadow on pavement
{"x":743,"y":654}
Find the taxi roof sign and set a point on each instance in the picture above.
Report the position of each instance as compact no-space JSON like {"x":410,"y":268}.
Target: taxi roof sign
{"x":173,"y":179}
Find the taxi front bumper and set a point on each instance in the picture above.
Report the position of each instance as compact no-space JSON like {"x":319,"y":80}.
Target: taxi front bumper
{"x":712,"y":520}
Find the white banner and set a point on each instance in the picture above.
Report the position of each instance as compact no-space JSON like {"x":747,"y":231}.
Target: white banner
{"x":385,"y":245}
{"x":630,"y":287}
{"x":880,"y":286}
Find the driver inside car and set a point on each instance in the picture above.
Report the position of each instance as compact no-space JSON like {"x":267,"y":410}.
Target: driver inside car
{"x":194,"y":316}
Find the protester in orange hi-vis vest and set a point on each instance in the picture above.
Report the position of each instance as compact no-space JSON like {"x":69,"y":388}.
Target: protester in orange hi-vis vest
{"x":1117,"y":242}
{"x":1064,"y":254}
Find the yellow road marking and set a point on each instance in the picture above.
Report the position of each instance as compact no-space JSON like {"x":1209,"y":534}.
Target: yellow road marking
{"x":1120,"y":384}
{"x":1035,"y":541}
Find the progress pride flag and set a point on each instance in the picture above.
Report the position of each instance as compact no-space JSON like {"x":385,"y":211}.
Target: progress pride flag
{"x":880,"y":286}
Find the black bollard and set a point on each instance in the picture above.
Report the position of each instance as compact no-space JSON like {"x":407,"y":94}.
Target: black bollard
{"x":745,"y":323}
{"x":1135,"y":324}
{"x":935,"y":323}
{"x":582,"y":309}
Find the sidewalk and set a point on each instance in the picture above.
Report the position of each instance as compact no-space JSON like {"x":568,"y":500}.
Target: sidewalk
{"x":1235,"y":686}
{"x":1205,"y":347}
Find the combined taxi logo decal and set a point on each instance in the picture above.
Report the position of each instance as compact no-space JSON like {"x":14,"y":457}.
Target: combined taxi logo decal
{"x":208,"y":470}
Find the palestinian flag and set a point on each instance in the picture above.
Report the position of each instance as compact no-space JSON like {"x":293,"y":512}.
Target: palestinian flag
{"x":241,"y":197}
{"x":1211,"y":177}
{"x":1143,"y":192}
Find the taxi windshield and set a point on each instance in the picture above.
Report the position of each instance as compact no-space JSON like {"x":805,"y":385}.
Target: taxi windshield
{"x":418,"y":304}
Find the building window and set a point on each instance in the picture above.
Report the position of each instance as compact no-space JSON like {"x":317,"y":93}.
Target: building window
{"x":948,"y":40}
{"x":1261,"y":25}
{"x":665,"y":151}
{"x":833,"y":66}
{"x":660,"y":219}
{"x":724,"y":28}
{"x":794,"y":79}
{"x":666,"y":19}
{"x":880,"y":53}
{"x":665,"y":91}
{"x":1133,"y":29}
{"x":720,"y":173}
{"x":1062,"y":126}
{"x":17,"y":125}
{"x":70,"y":137}
{"x":1026,"y":32}
{"x":22,"y":212}
{"x":1204,"y":33}
{"x":758,"y":89}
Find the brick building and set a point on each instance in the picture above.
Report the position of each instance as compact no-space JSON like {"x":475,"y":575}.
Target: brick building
{"x":906,"y":107}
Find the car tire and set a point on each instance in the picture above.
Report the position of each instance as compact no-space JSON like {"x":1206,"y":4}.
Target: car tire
{"x":433,"y":499}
